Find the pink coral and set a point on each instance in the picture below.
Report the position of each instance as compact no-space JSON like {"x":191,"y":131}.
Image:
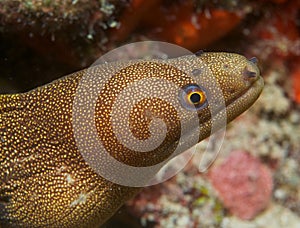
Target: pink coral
{"x":243,"y":183}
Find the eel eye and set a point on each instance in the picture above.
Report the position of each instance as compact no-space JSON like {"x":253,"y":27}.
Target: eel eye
{"x":192,"y":97}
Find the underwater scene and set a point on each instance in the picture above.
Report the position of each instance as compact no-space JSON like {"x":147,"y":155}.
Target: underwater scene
{"x":70,"y":91}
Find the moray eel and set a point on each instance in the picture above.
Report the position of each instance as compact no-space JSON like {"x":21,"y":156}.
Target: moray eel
{"x":45,"y":179}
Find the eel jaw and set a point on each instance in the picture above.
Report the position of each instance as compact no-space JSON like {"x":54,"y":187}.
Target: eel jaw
{"x":247,"y":99}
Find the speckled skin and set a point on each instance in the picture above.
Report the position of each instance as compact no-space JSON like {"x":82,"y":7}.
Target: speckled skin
{"x":45,"y":182}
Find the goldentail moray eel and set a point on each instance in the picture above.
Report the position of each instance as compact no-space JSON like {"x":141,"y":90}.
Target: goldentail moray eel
{"x":46,"y":180}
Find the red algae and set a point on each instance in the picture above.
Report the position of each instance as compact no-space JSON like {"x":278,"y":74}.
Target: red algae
{"x":194,"y":29}
{"x":278,"y":33}
{"x":296,"y":82}
{"x":243,"y":183}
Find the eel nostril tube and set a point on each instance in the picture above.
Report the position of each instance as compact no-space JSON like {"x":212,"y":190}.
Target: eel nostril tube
{"x":253,"y":60}
{"x":248,"y":74}
{"x":251,"y":71}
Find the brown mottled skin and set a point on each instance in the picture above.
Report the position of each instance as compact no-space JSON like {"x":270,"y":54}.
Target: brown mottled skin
{"x":45,"y":182}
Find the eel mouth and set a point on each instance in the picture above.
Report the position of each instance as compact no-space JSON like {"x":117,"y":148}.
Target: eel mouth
{"x":234,"y":108}
{"x":245,"y":100}
{"x":241,"y":103}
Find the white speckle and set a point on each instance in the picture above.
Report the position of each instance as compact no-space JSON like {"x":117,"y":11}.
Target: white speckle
{"x":183,"y":221}
{"x":194,"y":21}
{"x":62,"y":168}
{"x":246,"y":32}
{"x":89,"y":36}
{"x":80,"y":200}
{"x":103,"y":25}
{"x":113,"y":24}
{"x":280,"y":194}
{"x":207,"y":13}
{"x":52,"y":37}
{"x":69,"y":179}
{"x":107,"y":8}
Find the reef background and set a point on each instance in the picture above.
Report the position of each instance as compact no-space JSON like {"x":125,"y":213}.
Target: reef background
{"x":44,"y":40}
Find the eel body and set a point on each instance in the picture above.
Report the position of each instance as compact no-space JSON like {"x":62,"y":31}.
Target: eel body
{"x":50,"y":174}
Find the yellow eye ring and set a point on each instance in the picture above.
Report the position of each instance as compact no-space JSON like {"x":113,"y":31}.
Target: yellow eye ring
{"x":192,"y":97}
{"x":196,"y":97}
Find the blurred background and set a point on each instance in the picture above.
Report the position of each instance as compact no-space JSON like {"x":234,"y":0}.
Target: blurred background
{"x":255,"y":181}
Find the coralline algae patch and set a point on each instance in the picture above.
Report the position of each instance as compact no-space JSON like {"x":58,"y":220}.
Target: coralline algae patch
{"x":250,"y":188}
{"x":244,"y":185}
{"x":295,"y":75}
